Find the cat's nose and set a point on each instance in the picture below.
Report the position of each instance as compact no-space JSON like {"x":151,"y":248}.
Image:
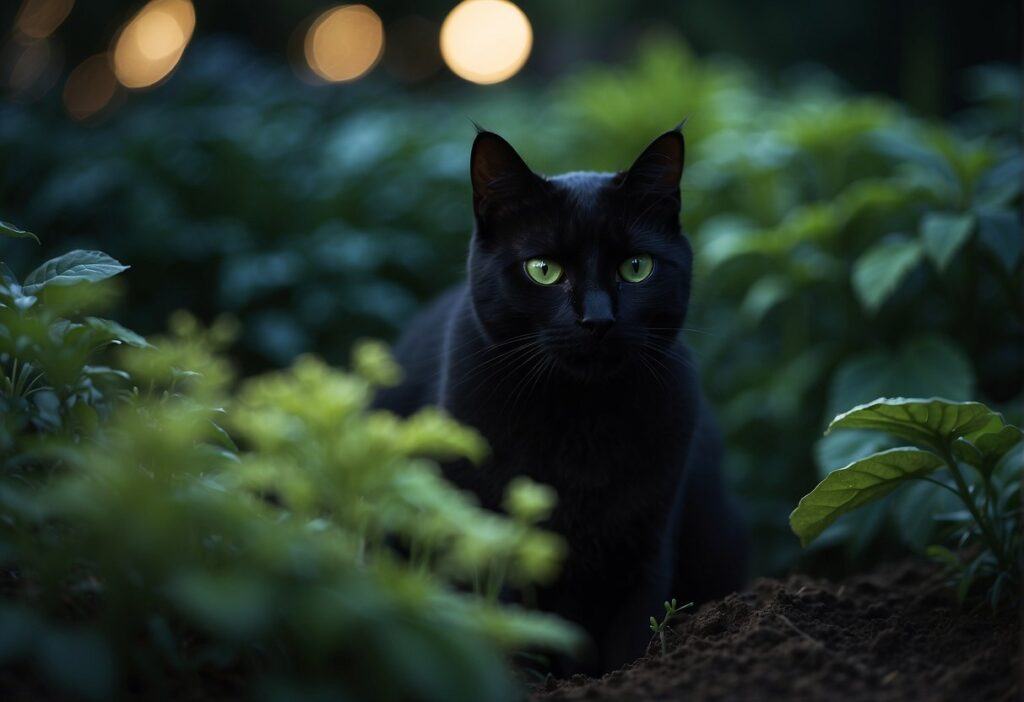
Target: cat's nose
{"x":597,"y":317}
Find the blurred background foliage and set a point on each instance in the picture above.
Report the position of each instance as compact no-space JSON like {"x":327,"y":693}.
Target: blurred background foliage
{"x":853,"y":193}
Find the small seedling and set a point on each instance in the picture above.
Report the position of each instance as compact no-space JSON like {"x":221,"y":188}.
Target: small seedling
{"x":671,"y":610}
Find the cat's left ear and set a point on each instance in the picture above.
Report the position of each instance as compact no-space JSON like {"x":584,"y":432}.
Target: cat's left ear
{"x":501,"y":179}
{"x":656,"y":172}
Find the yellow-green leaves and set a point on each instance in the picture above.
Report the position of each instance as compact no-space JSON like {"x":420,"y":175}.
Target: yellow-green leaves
{"x":528,"y":501}
{"x":371,"y":360}
{"x":857,"y":484}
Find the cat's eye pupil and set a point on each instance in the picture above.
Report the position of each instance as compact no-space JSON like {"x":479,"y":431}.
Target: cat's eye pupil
{"x":636,"y":268}
{"x":543,"y":271}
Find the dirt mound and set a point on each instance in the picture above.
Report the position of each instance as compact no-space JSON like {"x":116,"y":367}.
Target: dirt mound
{"x":896,"y":634}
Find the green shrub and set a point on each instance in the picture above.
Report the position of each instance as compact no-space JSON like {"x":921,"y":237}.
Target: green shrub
{"x":144,"y":551}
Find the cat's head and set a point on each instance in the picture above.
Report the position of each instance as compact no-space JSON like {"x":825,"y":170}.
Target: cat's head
{"x":592,"y":267}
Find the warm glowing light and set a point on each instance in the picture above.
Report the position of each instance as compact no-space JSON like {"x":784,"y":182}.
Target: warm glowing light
{"x":29,"y":68}
{"x":486,"y":41}
{"x":39,"y":18}
{"x":151,"y":44}
{"x":90,"y":87}
{"x":344,"y":43}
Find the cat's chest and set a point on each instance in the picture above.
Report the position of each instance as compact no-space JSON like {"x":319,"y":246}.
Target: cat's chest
{"x":620,"y":442}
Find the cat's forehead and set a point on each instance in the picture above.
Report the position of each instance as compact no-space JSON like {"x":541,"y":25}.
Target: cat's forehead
{"x":583,"y":190}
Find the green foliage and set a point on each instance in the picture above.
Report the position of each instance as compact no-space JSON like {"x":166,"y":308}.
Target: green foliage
{"x":143,"y":548}
{"x":845,"y":248}
{"x":953,"y":437}
{"x":12,"y":232}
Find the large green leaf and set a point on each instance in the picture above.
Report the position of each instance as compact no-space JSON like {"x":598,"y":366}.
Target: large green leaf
{"x":926,"y":365}
{"x":999,"y":230}
{"x":879,"y":271}
{"x":985,"y":447}
{"x":73,"y":267}
{"x":857,"y":484}
{"x":117,"y":332}
{"x":943,"y":233}
{"x":932,"y":422}
{"x":9,"y":230}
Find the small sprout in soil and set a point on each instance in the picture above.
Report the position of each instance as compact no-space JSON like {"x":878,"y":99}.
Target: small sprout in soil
{"x":659,"y":628}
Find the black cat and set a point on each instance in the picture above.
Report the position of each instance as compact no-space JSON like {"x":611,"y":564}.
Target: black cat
{"x":563,"y":351}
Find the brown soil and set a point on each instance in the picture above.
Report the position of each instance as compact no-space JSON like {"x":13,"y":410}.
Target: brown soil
{"x":896,"y":634}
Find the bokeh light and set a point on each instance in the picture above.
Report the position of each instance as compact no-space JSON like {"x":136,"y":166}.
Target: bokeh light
{"x":486,"y":41}
{"x":344,"y":43}
{"x":29,"y":67}
{"x":90,"y":87}
{"x":40,"y":18}
{"x":151,"y":44}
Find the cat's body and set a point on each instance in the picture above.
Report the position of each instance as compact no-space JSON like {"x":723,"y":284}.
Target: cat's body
{"x":584,"y":386}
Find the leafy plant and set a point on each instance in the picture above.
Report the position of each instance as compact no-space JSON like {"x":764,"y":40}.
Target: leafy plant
{"x":978,"y":459}
{"x":162,"y":529}
{"x":659,"y":628}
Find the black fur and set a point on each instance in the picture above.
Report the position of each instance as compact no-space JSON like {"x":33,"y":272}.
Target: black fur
{"x":584,"y":385}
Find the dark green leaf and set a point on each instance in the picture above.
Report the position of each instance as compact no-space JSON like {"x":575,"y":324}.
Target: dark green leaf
{"x":9,"y":230}
{"x":1000,"y":232}
{"x":932,"y":422}
{"x":858,"y":484}
{"x":879,"y":271}
{"x":78,"y":661}
{"x":923,"y":366}
{"x":73,"y":267}
{"x":943,"y":233}
{"x":116,"y":332}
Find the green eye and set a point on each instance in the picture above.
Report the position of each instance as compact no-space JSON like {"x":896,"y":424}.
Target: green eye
{"x":543,"y":271}
{"x":636,"y":268}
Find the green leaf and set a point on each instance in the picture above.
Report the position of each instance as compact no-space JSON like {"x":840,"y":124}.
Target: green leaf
{"x":116,"y":332}
{"x":943,"y":233}
{"x":9,"y":230}
{"x":79,"y":661}
{"x":926,"y":365}
{"x":73,"y":267}
{"x":858,"y":484}
{"x":879,"y":271}
{"x":984,"y":448}
{"x":933,"y":422}
{"x":1000,"y":232}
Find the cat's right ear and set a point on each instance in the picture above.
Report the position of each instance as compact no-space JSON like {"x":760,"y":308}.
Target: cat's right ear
{"x":501,"y":179}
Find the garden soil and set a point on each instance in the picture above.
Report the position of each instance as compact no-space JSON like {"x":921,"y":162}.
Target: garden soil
{"x":895,"y":634}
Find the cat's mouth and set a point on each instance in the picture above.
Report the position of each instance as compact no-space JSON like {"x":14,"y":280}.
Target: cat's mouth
{"x":589,"y":356}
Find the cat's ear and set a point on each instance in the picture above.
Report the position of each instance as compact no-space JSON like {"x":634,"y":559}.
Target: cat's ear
{"x":501,"y":179}
{"x":656,"y":172}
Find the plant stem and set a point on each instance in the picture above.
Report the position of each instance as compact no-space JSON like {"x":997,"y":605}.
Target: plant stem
{"x":990,"y":537}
